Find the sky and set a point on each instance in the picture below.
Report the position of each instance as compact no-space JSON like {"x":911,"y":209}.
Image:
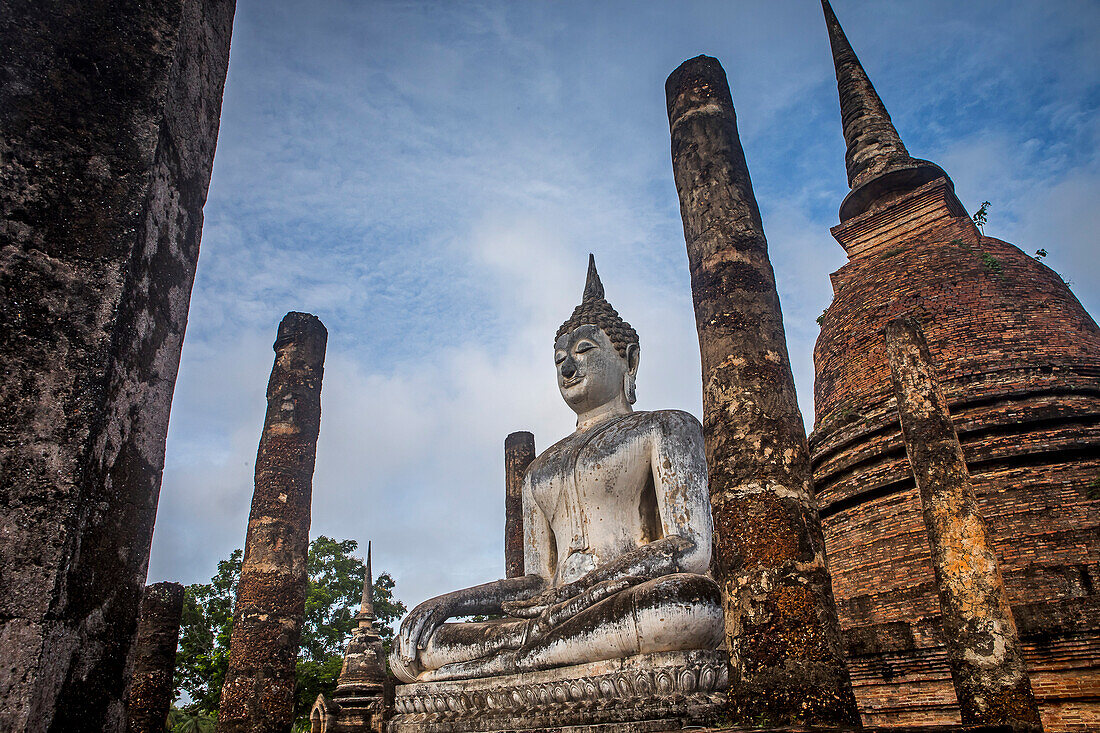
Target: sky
{"x":428,"y":178}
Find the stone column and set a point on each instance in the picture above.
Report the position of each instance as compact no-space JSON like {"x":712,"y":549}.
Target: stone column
{"x":787,"y":663}
{"x":258,"y":693}
{"x":987,"y":663}
{"x":519,"y":451}
{"x":154,"y":658}
{"x":109,"y":115}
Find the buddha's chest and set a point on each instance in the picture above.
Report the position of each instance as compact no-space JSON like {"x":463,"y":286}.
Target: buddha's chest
{"x":588,"y":487}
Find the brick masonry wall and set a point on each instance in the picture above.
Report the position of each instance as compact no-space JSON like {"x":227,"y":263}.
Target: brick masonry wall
{"x":1020,"y":365}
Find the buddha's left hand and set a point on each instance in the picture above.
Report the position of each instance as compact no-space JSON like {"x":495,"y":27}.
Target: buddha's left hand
{"x":661,"y":557}
{"x":552,"y":616}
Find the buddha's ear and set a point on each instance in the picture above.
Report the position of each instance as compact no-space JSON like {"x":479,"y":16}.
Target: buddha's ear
{"x":633,"y":351}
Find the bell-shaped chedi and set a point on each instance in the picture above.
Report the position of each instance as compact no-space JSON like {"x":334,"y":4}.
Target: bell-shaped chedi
{"x":1018,"y":360}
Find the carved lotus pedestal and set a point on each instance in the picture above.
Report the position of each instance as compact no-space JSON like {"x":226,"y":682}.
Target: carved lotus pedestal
{"x":652,"y":692}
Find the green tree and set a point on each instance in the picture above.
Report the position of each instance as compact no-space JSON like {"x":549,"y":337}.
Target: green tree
{"x":190,"y":721}
{"x":332,"y":601}
{"x":207,"y":622}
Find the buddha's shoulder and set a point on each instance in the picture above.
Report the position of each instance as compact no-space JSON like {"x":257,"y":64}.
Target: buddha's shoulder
{"x":664,"y":421}
{"x":661,"y":426}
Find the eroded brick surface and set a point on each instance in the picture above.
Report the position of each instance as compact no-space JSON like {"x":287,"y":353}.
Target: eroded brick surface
{"x":519,"y":451}
{"x":1019,"y":363}
{"x":983,"y":648}
{"x":154,"y":655}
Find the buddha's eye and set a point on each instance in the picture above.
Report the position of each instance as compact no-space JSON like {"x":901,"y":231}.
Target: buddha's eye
{"x":584,"y":346}
{"x":559,"y":357}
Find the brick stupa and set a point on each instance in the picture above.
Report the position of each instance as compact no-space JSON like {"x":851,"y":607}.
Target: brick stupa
{"x":1019,"y":362}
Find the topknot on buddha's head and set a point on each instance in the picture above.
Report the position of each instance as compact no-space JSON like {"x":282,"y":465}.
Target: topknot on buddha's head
{"x":596,"y":311}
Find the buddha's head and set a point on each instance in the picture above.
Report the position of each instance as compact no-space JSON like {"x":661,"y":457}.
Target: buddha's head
{"x":596,"y":351}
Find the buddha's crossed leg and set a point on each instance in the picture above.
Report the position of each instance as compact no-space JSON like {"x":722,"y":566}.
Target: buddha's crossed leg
{"x":674,"y":612}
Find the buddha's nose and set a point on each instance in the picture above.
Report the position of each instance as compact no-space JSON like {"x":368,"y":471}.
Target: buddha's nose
{"x":568,"y":368}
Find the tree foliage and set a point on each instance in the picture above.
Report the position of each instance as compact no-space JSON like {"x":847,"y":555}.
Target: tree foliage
{"x":332,"y":601}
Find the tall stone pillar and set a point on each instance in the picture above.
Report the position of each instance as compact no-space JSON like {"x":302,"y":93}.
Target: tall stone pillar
{"x":109,"y":115}
{"x":258,"y":693}
{"x":787,"y":664}
{"x":519,"y":451}
{"x":154,"y":658}
{"x":987,"y":664}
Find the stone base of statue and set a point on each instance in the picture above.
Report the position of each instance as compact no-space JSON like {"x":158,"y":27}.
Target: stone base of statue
{"x":663,"y":692}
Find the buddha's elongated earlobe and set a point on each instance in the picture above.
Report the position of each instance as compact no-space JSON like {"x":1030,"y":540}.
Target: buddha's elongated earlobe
{"x":633,"y":352}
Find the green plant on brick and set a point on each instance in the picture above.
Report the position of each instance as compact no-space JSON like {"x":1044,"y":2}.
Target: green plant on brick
{"x":991,"y":263}
{"x":980,"y":216}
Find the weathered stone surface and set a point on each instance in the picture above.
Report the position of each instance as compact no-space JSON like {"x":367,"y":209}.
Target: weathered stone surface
{"x":154,"y":658}
{"x":1019,"y":361}
{"x":519,"y":451}
{"x":258,"y":694}
{"x":781,"y":625}
{"x":987,"y":664}
{"x":668,"y":690}
{"x":108,"y":119}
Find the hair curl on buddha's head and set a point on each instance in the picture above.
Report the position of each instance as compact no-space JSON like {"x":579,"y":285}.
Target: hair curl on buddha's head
{"x":596,"y":311}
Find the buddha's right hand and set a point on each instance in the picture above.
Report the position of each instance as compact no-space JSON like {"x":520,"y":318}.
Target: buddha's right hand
{"x":419,"y":626}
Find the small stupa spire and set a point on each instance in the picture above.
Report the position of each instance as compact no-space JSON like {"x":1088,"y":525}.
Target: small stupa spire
{"x":366,"y":608}
{"x":877,"y":161}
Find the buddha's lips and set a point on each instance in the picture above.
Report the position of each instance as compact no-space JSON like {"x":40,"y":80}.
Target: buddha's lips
{"x":572,"y":381}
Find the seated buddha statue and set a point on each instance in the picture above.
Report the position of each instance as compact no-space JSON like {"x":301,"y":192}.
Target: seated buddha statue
{"x":617,"y":533}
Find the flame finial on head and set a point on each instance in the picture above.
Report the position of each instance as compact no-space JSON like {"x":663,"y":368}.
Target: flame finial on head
{"x":593,"y":288}
{"x":596,"y":311}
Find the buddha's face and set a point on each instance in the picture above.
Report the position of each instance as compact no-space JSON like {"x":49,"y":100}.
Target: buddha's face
{"x":590,"y":371}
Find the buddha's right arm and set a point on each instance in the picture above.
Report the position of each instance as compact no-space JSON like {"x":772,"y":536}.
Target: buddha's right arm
{"x":487,"y":598}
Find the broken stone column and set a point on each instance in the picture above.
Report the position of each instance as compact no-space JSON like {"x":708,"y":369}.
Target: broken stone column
{"x":154,"y":655}
{"x":519,"y":451}
{"x":109,"y":116}
{"x":787,"y":663}
{"x":987,"y":663}
{"x":258,"y":693}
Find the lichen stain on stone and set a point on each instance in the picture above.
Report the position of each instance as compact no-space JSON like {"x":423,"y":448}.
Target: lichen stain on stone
{"x":758,"y":534}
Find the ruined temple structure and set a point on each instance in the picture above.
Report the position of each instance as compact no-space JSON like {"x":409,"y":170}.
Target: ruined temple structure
{"x":519,"y":451}
{"x":360,"y":702}
{"x":983,"y":648}
{"x":1018,"y":360}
